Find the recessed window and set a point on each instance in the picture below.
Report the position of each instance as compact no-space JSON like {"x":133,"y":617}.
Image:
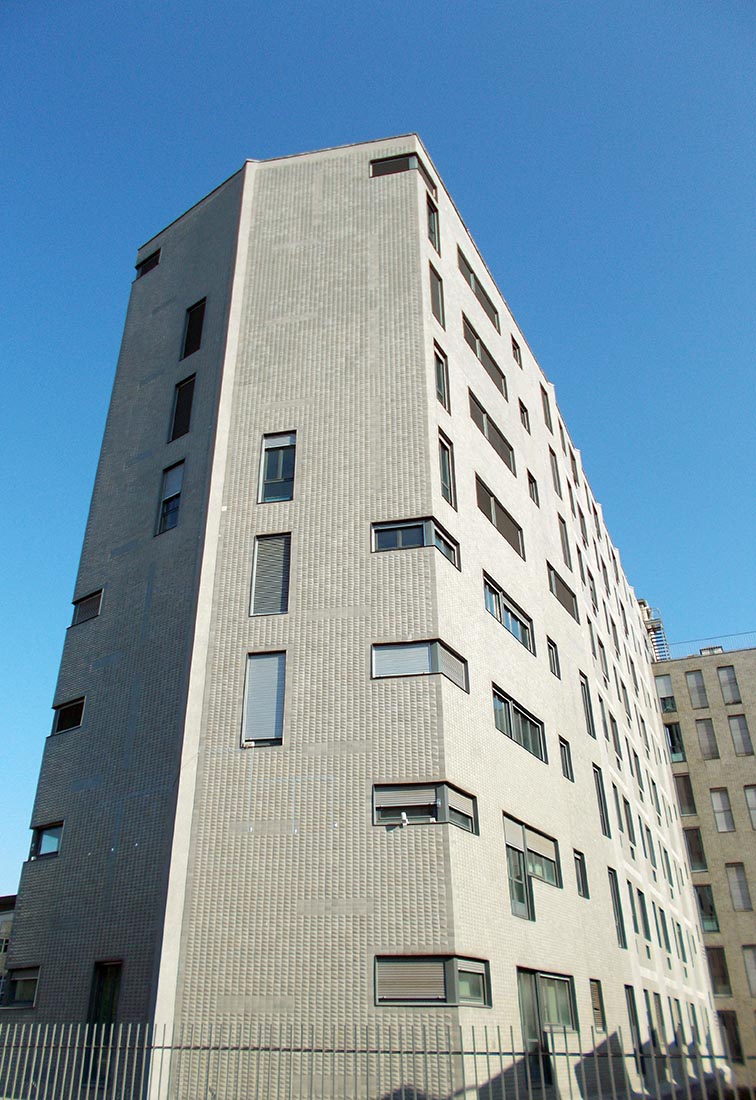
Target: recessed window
{"x":264,"y":695}
{"x":728,"y":682}
{"x":749,"y":794}
{"x":546,"y":410}
{"x":516,"y":353}
{"x":46,"y":840}
{"x":665,"y":694}
{"x":585,"y":693}
{"x":565,"y":756}
{"x":741,"y":737}
{"x":270,"y":575}
{"x":88,"y":607}
{"x":431,"y":979}
{"x":555,"y":473}
{"x":493,"y":434}
{"x":68,"y":716}
{"x":720,"y":803}
{"x":524,"y":417}
{"x":696,"y":851}
{"x":720,"y":975}
{"x":619,"y":921}
{"x":409,"y":534}
{"x":512,"y":617}
{"x":749,"y":960}
{"x":497,"y":514}
{"x":729,"y":1023}
{"x":195,"y":318}
{"x":182,"y":408}
{"x":437,"y":295}
{"x":696,"y":689}
{"x":446,"y":470}
{"x":553,"y":651}
{"x":533,"y":489}
{"x":597,"y":1005}
{"x":474,"y":283}
{"x":565,"y":541}
{"x":434,"y":234}
{"x":419,"y":659}
{"x":22,"y":985}
{"x":530,"y":855}
{"x":441,"y":366}
{"x":581,"y":874}
{"x":547,"y":1000}
{"x":685,"y":796}
{"x":277,"y":467}
{"x":675,"y":742}
{"x":514,"y":722}
{"x":389,"y":166}
{"x":706,"y":908}
{"x":487,"y":360}
{"x":147,"y":264}
{"x":170,"y":497}
{"x":738,"y":883}
{"x":563,"y":592}
{"x":707,"y":739}
{"x":603,"y":809}
{"x":424,"y":804}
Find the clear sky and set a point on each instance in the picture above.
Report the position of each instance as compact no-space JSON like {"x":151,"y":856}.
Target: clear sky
{"x":601,"y":153}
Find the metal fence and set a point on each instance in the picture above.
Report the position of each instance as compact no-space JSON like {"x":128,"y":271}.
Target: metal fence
{"x":245,"y":1062}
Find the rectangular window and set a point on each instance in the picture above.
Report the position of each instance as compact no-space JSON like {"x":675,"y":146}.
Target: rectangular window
{"x":729,"y":1023}
{"x":633,"y":910}
{"x":524,"y":417}
{"x":685,"y":795}
{"x":619,"y":921}
{"x":546,"y":410}
{"x":441,"y":367}
{"x":565,"y":755}
{"x":88,"y":607}
{"x":270,"y":575}
{"x":603,"y":661}
{"x":581,"y":874}
{"x":741,"y":737}
{"x":22,"y":984}
{"x":696,"y":851}
{"x":585,"y":693}
{"x":515,"y":722}
{"x":512,"y":617}
{"x":530,"y":855}
{"x":706,"y":908}
{"x":389,"y":166}
{"x":195,"y":317}
{"x":446,"y":470}
{"x":182,"y":408}
{"x":564,"y":539}
{"x":720,"y":975}
{"x":516,"y":353}
{"x":728,"y":682}
{"x":675,"y":742}
{"x":555,"y":473}
{"x":738,"y":883}
{"x":46,"y":840}
{"x":68,"y":716}
{"x":643,"y":914}
{"x":603,"y":809}
{"x":563,"y":592}
{"x":749,"y":961}
{"x":707,"y":739}
{"x":147,"y":264}
{"x":424,"y":804}
{"x":487,"y":360}
{"x":665,"y":694}
{"x":492,"y":433}
{"x":597,"y":1005}
{"x":170,"y":497}
{"x":554,"y":667}
{"x":720,"y":802}
{"x":629,"y":822}
{"x":533,"y":489}
{"x":277,"y":467}
{"x":583,"y":528}
{"x":412,"y":533}
{"x":750,"y":798}
{"x":474,"y":283}
{"x":434,"y":235}
{"x":504,"y":523}
{"x":264,"y":696}
{"x":419,"y":659}
{"x":437,"y":295}
{"x":428,"y":979}
{"x":696,"y":689}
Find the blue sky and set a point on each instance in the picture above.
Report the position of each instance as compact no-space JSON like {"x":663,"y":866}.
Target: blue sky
{"x":602,"y":155}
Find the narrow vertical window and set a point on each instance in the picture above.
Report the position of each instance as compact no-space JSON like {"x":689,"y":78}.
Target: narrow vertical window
{"x":741,"y":737}
{"x":182,"y":408}
{"x":597,"y":1005}
{"x":696,"y":689}
{"x":277,"y":472}
{"x":270,"y":580}
{"x":442,"y":377}
{"x":434,"y":235}
{"x":446,"y":470}
{"x":581,"y":874}
{"x":728,"y":682}
{"x":603,"y":809}
{"x":685,"y":795}
{"x":739,"y":892}
{"x":749,"y":793}
{"x":195,"y":317}
{"x":516,"y":353}
{"x":707,"y":739}
{"x":585,"y":692}
{"x":170,"y":497}
{"x":720,"y":802}
{"x":553,"y":651}
{"x":565,"y":541}
{"x":264,"y":698}
{"x":555,"y":473}
{"x":619,"y":921}
{"x":533,"y":489}
{"x":524,"y":417}
{"x":546,"y":410}
{"x":437,"y":296}
{"x":565,"y":755}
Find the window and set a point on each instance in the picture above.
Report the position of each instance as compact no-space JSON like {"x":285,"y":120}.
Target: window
{"x":563,"y":592}
{"x":720,"y":801}
{"x":412,"y":533}
{"x":696,"y":689}
{"x":434,"y":235}
{"x":46,"y":840}
{"x":22,"y":985}
{"x":665,"y":694}
{"x":533,"y":489}
{"x":597,"y":1005}
{"x":741,"y":738}
{"x":170,"y":497}
{"x":474,"y":283}
{"x":728,"y":682}
{"x":696,"y":852}
{"x":88,"y":607}
{"x":504,"y":523}
{"x":487,"y":360}
{"x":494,"y":436}
{"x":388,"y":166}
{"x":563,"y":537}
{"x":729,"y":1023}
{"x":437,"y":295}
{"x":643,"y":914}
{"x":583,"y":528}
{"x":749,"y":961}
{"x":603,"y":809}
{"x":750,"y":798}
{"x":419,"y":659}
{"x":68,"y":716}
{"x":685,"y":795}
{"x":603,"y":661}
{"x":512,"y":617}
{"x":565,"y":755}
{"x":195,"y":317}
{"x":428,"y":979}
{"x":629,"y":821}
{"x":103,"y":996}
{"x":516,"y":353}
{"x":277,"y":467}
{"x":707,"y":739}
{"x":264,"y":698}
{"x":675,"y":742}
{"x":553,"y":651}
{"x":585,"y":693}
{"x":182,"y":408}
{"x":706,"y":908}
{"x":720,"y":976}
{"x":524,"y":417}
{"x":555,"y":473}
{"x":581,"y":874}
{"x":530,"y":855}
{"x":546,"y":1001}
{"x":738,"y":883}
{"x":633,"y":910}
{"x":270,"y":575}
{"x":441,"y":367}
{"x":546,"y":410}
{"x":424,"y":804}
{"x":147,"y":264}
{"x":618,"y":807}
{"x":515,"y":722}
{"x":619,"y":921}
{"x":446,"y":470}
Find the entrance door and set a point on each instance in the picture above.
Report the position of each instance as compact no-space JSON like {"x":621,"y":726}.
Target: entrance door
{"x":538,"y":1062}
{"x":103,"y":1001}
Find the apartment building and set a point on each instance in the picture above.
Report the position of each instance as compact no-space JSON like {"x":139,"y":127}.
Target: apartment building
{"x":355,"y":719}
{"x":708,"y":705}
